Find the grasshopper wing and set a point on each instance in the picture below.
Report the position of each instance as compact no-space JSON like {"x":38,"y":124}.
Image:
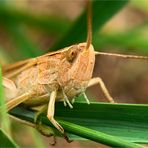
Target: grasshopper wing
{"x":10,"y":88}
{"x":12,"y":70}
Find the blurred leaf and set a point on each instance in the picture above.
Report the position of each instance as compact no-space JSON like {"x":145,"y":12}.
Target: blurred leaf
{"x":50,"y":24}
{"x":5,"y":141}
{"x":142,"y":4}
{"x":126,"y":121}
{"x":13,"y":20}
{"x":102,"y":11}
{"x":24,"y":45}
{"x":4,"y":120}
{"x":4,"y":58}
{"x":37,"y":138}
{"x":134,"y":39}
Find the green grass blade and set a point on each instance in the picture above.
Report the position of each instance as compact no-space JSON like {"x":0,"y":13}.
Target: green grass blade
{"x":5,"y":141}
{"x":96,"y":135}
{"x":126,"y":121}
{"x":4,"y":119}
{"x":102,"y":11}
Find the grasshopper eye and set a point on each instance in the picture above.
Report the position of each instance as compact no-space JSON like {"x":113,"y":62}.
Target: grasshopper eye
{"x":72,"y":54}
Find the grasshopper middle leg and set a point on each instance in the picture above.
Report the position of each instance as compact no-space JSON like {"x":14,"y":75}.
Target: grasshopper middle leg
{"x":98,"y":80}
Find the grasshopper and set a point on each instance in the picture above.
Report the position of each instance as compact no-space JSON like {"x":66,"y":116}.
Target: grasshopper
{"x":55,"y":76}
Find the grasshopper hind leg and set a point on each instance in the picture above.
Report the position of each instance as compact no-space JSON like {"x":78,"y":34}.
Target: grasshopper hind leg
{"x":98,"y":80}
{"x":18,"y":100}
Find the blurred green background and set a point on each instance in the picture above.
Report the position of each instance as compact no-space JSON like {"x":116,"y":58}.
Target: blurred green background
{"x":29,"y":28}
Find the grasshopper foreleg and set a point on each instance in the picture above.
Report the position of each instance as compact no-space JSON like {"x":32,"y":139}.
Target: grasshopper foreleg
{"x":98,"y":80}
{"x":51,"y":110}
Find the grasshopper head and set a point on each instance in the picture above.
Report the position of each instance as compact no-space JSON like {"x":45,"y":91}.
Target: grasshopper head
{"x":81,"y":57}
{"x":76,"y":69}
{"x":82,"y":62}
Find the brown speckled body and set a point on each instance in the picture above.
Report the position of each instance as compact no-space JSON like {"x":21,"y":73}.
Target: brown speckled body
{"x":67,"y":70}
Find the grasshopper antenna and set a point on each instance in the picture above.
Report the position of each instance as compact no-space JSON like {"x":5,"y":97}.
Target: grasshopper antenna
{"x":122,"y":55}
{"x":89,"y":22}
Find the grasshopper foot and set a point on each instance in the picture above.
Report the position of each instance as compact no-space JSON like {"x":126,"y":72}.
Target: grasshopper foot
{"x":43,"y":129}
{"x":54,"y":141}
{"x":46,"y":131}
{"x":67,"y":139}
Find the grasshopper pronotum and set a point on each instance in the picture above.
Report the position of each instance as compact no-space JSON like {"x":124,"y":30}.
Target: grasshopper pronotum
{"x":55,"y":76}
